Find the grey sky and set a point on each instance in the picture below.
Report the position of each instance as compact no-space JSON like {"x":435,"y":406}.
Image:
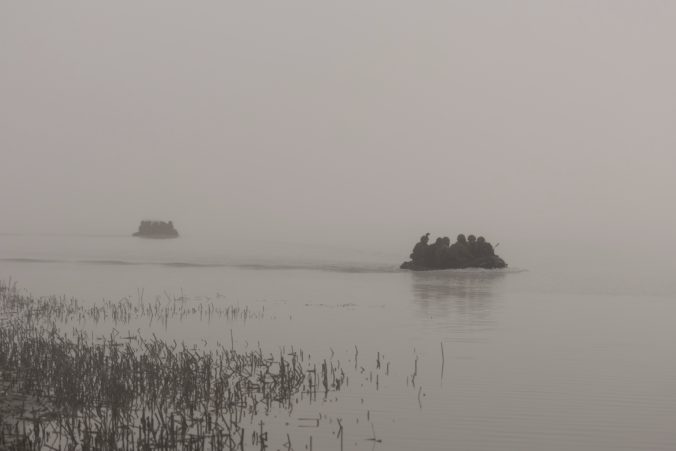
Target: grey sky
{"x":348,"y":122}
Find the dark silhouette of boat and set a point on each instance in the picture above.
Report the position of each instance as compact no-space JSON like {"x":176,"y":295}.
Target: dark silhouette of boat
{"x":470,"y":252}
{"x":156,"y":229}
{"x":490,"y":262}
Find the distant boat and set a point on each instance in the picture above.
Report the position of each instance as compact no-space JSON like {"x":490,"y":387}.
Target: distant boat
{"x":156,"y":229}
{"x":468,"y":252}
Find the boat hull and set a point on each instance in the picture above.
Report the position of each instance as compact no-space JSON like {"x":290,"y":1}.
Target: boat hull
{"x":492,"y":262}
{"x":156,"y":236}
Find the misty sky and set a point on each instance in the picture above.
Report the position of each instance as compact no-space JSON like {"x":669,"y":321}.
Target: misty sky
{"x":369,"y":123}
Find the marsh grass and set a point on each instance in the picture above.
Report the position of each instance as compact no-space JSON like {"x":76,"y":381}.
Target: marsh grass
{"x":72,"y":390}
{"x":64,"y":386}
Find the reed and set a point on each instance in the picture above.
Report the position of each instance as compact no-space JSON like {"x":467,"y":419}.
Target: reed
{"x":127,"y":392}
{"x":64,"y":387}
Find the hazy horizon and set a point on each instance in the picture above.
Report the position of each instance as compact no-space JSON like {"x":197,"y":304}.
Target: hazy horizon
{"x":546,"y":126}
{"x":301,"y":149}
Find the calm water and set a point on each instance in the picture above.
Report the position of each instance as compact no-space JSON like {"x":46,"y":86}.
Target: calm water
{"x":554,"y":359}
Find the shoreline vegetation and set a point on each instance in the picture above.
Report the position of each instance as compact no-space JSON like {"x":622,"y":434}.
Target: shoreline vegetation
{"x":65,"y":386}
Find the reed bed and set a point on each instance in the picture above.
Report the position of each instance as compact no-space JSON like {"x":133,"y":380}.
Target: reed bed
{"x":66,"y":311}
{"x":62,"y":386}
{"x":114,"y":392}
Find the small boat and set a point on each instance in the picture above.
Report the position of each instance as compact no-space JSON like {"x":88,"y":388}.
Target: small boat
{"x":156,"y":229}
{"x":468,"y":252}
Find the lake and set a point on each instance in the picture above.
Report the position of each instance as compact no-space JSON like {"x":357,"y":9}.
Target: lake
{"x":557,"y":358}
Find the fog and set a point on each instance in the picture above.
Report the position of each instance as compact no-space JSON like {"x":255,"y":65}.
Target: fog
{"x":545,"y":126}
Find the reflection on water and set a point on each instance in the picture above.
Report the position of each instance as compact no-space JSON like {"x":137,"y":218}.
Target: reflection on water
{"x":466,"y":292}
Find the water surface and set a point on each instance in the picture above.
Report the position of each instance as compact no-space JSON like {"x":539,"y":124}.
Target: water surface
{"x":554,"y":358}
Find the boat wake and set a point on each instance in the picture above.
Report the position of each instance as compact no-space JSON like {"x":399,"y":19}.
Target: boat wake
{"x":263,"y":266}
{"x":339,"y":267}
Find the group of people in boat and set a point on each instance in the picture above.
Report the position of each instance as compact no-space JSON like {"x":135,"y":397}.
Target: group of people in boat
{"x":464,"y":253}
{"x":156,"y":227}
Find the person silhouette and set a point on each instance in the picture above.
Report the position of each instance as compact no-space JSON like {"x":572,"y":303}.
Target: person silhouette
{"x":420,"y":250}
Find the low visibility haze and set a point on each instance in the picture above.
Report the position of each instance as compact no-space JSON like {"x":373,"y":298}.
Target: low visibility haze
{"x":545,"y":126}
